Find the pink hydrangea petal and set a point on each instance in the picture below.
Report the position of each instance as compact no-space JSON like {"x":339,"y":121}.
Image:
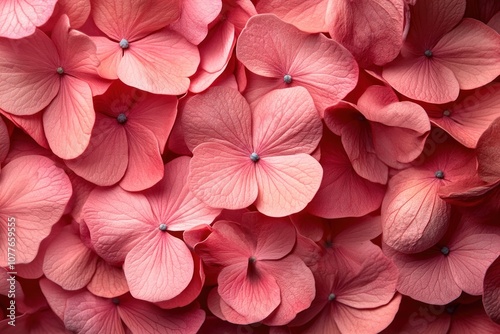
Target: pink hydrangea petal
{"x":159,"y":63}
{"x":27,"y":86}
{"x":295,"y":126}
{"x":217,"y":47}
{"x":108,"y":281}
{"x":56,"y":296}
{"x":68,"y":262}
{"x":343,"y":193}
{"x":254,"y":297}
{"x":78,"y":12}
{"x":32,"y":125}
{"x":286,"y":183}
{"x":491,"y":296}
{"x":222,"y":176}
{"x":105,"y":160}
{"x":471,"y":318}
{"x":195,"y":17}
{"x":34,"y":192}
{"x":19,"y":18}
{"x":69,"y":119}
{"x":371,"y":31}
{"x":487,"y":153}
{"x":4,"y":140}
{"x":159,"y":268}
{"x":145,"y":165}
{"x":133,"y":19}
{"x":117,"y":221}
{"x":296,"y":284}
{"x":109,"y":54}
{"x":220,"y":114}
{"x":494,"y":22}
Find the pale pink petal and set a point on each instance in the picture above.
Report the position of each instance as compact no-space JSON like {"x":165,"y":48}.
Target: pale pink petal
{"x":19,"y":18}
{"x":286,"y":183}
{"x":220,"y":114}
{"x":109,"y":54}
{"x":105,"y":160}
{"x":295,"y":125}
{"x":69,"y":119}
{"x":471,"y":52}
{"x":174,"y":204}
{"x":254,"y":296}
{"x":468,"y":119}
{"x":145,"y":165}
{"x":108,"y":281}
{"x":159,"y":268}
{"x":28,"y":77}
{"x":68,"y":262}
{"x":56,"y":296}
{"x":159,"y":63}
{"x":133,"y":19}
{"x":141,"y":317}
{"x":491,"y":296}
{"x":222,"y":176}
{"x":195,"y":18}
{"x":34,"y":194}
{"x":86,"y":313}
{"x":371,"y":31}
{"x":296,"y":286}
{"x":307,"y":16}
{"x":217,"y":47}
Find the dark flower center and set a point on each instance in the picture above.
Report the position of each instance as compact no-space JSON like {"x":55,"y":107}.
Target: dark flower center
{"x":254,"y":157}
{"x":447,"y":112}
{"x":439,"y":174}
{"x":60,"y":70}
{"x":115,"y":301}
{"x":252,"y":260}
{"x":331,"y":297}
{"x":328,"y":244}
{"x":451,"y":308}
{"x":445,"y":250}
{"x":124,"y":44}
{"x":428,"y":53}
{"x":287,"y":79}
{"x":163,"y":227}
{"x":122,"y":118}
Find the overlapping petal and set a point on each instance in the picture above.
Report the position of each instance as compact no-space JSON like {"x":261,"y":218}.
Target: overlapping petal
{"x":19,"y":18}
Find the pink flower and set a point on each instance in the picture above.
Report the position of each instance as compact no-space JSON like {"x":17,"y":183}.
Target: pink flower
{"x":136,"y":229}
{"x":259,"y":279}
{"x":128,"y":138}
{"x":19,"y":18}
{"x":282,"y":56}
{"x":443,"y":53}
{"x":139,"y":50}
{"x":58,"y":74}
{"x":261,"y":155}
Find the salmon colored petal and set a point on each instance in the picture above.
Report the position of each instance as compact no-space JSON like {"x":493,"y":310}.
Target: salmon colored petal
{"x":174,"y":204}
{"x":159,"y":268}
{"x":109,"y":54}
{"x":307,"y":16}
{"x":295,"y":126}
{"x":195,"y":17}
{"x":32,"y":125}
{"x":133,"y":19}
{"x":371,"y":31}
{"x":105,"y":160}
{"x":220,"y":114}
{"x":34,"y":193}
{"x":108,"y":281}
{"x":253,"y":297}
{"x":145,"y":165}
{"x":159,"y":63}
{"x":286,"y":183}
{"x":19,"y":18}
{"x":28,"y":77}
{"x":217,"y":47}
{"x":222,"y":177}
{"x":78,"y":12}
{"x":471,"y":52}
{"x":69,"y":119}
{"x":487,"y":153}
{"x":468,"y":119}
{"x":68,"y":262}
{"x":117,"y":221}
{"x":491,"y":296}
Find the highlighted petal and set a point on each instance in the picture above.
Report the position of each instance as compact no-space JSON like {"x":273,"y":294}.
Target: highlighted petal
{"x":108,"y":281}
{"x":19,"y":18}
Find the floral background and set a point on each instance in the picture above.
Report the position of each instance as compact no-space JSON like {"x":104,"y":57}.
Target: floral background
{"x":237,"y":166}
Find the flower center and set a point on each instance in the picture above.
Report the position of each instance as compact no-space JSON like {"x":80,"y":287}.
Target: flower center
{"x":122,"y":118}
{"x":445,"y":250}
{"x":439,"y":174}
{"x":254,"y":157}
{"x":115,"y":301}
{"x":60,"y":70}
{"x":451,"y":308}
{"x":428,"y":53}
{"x":163,"y":227}
{"x":328,"y":244}
{"x":287,"y":79}
{"x":446,"y":112}
{"x":124,"y":44}
{"x":252,"y":260}
{"x":331,"y":297}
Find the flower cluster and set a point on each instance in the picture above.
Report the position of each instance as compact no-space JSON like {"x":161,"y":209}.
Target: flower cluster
{"x":250,"y":166}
